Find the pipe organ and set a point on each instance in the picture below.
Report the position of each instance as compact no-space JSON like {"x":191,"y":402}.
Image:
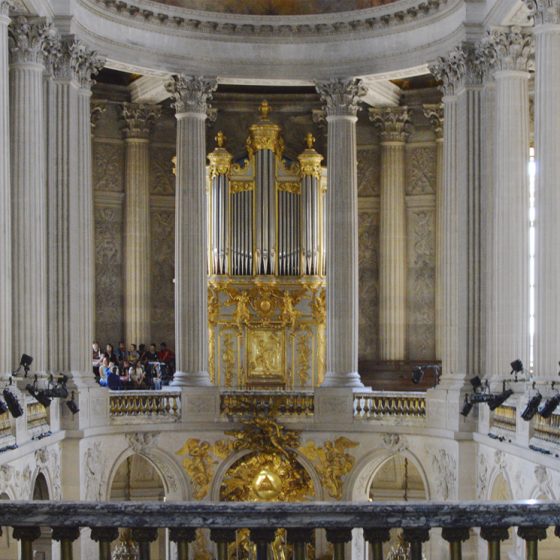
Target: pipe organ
{"x":266,"y":262}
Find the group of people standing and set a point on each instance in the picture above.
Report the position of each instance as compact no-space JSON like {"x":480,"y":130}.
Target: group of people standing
{"x":134,"y":367}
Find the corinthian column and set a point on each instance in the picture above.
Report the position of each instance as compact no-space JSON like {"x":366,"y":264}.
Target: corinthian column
{"x":434,"y":113}
{"x":28,"y":41}
{"x":341,"y":99}
{"x":508,"y":290}
{"x":191,"y":95}
{"x":461,"y":199}
{"x":138,"y":121}
{"x":547,"y":200}
{"x":393,"y":124}
{"x":6,"y":362}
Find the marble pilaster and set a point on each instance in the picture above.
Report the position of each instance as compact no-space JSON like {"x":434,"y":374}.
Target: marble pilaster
{"x":191,"y":95}
{"x":510,"y":51}
{"x":341,"y":98}
{"x":138,"y":121}
{"x":547,"y":199}
{"x":6,"y":360}
{"x":394,"y":126}
{"x":29,"y":39}
{"x":434,"y":113}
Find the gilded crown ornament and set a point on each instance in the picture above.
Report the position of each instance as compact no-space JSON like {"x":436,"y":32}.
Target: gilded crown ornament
{"x":220,"y":159}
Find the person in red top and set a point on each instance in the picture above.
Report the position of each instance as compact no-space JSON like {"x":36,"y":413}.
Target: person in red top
{"x":165,"y":355}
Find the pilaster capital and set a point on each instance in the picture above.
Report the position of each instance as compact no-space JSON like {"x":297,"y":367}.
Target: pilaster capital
{"x":5,"y":6}
{"x":508,"y":48}
{"x":544,"y":11}
{"x":30,"y":39}
{"x":434,"y":113}
{"x":96,"y":110}
{"x":393,"y":123}
{"x":192,"y":94}
{"x":461,"y":67}
{"x":139,"y":118}
{"x":341,"y":96}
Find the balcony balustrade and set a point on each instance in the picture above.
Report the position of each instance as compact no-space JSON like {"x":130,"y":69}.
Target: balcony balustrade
{"x":416,"y":519}
{"x":144,"y":405}
{"x":380,"y":405}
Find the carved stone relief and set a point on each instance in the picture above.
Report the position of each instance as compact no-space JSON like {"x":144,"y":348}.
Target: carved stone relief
{"x":482,"y":478}
{"x":108,"y":166}
{"x":16,"y":482}
{"x":141,"y":442}
{"x":368,"y":171}
{"x":95,"y":472}
{"x":108,"y":274}
{"x":421,"y":284}
{"x":445,"y":464}
{"x":163,"y":272}
{"x":421,"y":170}
{"x":369,"y":284}
{"x":162,"y":180}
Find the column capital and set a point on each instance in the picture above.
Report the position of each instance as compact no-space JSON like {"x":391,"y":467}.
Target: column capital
{"x":393,"y":123}
{"x":96,"y":110}
{"x":461,"y":67}
{"x":544,"y":11}
{"x":139,"y":118}
{"x":5,"y":6}
{"x":192,"y":94}
{"x":434,"y":113}
{"x":341,"y":96}
{"x":30,"y":39}
{"x":508,"y":48}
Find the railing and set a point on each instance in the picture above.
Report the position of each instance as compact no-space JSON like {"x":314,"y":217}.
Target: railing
{"x":300,"y":403}
{"x":338,"y":519}
{"x":383,"y":404}
{"x":153,"y":405}
{"x":505,"y":418}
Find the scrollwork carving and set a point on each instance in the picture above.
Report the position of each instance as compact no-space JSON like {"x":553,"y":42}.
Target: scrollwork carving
{"x":140,"y":442}
{"x":368,"y":172}
{"x":544,"y":11}
{"x":341,"y":97}
{"x":446,"y":466}
{"x":192,"y":94}
{"x":462,"y":66}
{"x":393,"y":123}
{"x":139,"y":118}
{"x":30,"y":39}
{"x":108,"y":168}
{"x":434,"y":113}
{"x":509,"y":48}
{"x":421,"y":171}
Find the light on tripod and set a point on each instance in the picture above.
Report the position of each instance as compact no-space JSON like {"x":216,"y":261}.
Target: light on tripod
{"x":38,"y":394}
{"x":13,"y":403}
{"x":476,"y":383}
{"x":25,"y":362}
{"x":467,"y":407}
{"x":3,"y":407}
{"x":72,"y":406}
{"x":549,"y":406}
{"x":417,"y":374}
{"x":498,"y":400}
{"x":532,"y":407}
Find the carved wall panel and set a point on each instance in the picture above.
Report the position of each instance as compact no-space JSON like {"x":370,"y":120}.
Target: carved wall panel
{"x":368,"y":171}
{"x":162,"y":180}
{"x":421,"y":170}
{"x":108,"y":166}
{"x":421,"y":283}
{"x":108,"y":274}
{"x":369,"y":284}
{"x":163,"y":271}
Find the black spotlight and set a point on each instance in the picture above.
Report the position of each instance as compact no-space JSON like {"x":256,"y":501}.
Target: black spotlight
{"x":3,"y":407}
{"x":476,"y":383}
{"x":38,"y":395}
{"x":71,"y":404}
{"x":25,"y":362}
{"x":516,"y":366}
{"x":417,"y":374}
{"x":497,"y":400}
{"x":467,"y":407}
{"x":13,"y":403}
{"x":532,"y":407}
{"x":549,"y":406}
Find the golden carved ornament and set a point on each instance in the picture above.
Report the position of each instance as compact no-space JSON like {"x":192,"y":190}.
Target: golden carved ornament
{"x":290,"y":187}
{"x":319,"y":306}
{"x":228,"y":357}
{"x":241,"y":186}
{"x":310,"y":160}
{"x":211,"y":355}
{"x":331,"y":461}
{"x":304,"y":357}
{"x":220,"y":158}
{"x":265,"y":135}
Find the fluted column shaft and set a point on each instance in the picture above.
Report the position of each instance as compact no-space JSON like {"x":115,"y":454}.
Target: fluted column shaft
{"x":6,"y":361}
{"x":508,"y":274}
{"x":138,"y":119}
{"x":341,"y":99}
{"x":547,"y":198}
{"x":191,"y":232}
{"x":29,"y":197}
{"x":393,"y":124}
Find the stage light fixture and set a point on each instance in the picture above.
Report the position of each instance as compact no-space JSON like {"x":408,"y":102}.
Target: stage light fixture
{"x":72,"y":406}
{"x":516,"y":366}
{"x":467,"y":407}
{"x":476,"y":383}
{"x":3,"y":407}
{"x":497,"y":400}
{"x":532,"y":407}
{"x":549,"y":406}
{"x":13,"y":403}
{"x":25,"y":362}
{"x":417,"y":374}
{"x":38,"y":395}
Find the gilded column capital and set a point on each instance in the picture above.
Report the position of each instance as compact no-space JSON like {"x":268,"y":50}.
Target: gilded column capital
{"x":30,"y":39}
{"x":393,"y":123}
{"x":139,"y":119}
{"x":544,"y":11}
{"x":341,"y":96}
{"x":508,"y":48}
{"x":434,"y":113}
{"x":192,"y":94}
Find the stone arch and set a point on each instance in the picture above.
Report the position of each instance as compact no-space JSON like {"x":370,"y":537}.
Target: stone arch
{"x":359,"y":483}
{"x":225,"y":465}
{"x":41,"y":487}
{"x":500,"y":484}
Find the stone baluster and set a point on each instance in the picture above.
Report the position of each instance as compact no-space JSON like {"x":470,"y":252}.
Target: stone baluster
{"x":455,"y":536}
{"x":434,"y":113}
{"x":29,"y":40}
{"x":510,"y":50}
{"x":138,"y":120}
{"x":191,"y":95}
{"x":66,"y":536}
{"x":494,"y":536}
{"x":394,"y":126}
{"x":338,"y":538}
{"x":26,"y":534}
{"x":547,"y":202}
{"x":222,"y":538}
{"x":415,"y":537}
{"x":532,"y":536}
{"x":104,"y":536}
{"x":376,"y":537}
{"x":6,"y":361}
{"x":144,"y":536}
{"x":182,"y":536}
{"x":262,"y":538}
{"x":70,"y":207}
{"x":341,"y":99}
{"x":299,"y":538}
